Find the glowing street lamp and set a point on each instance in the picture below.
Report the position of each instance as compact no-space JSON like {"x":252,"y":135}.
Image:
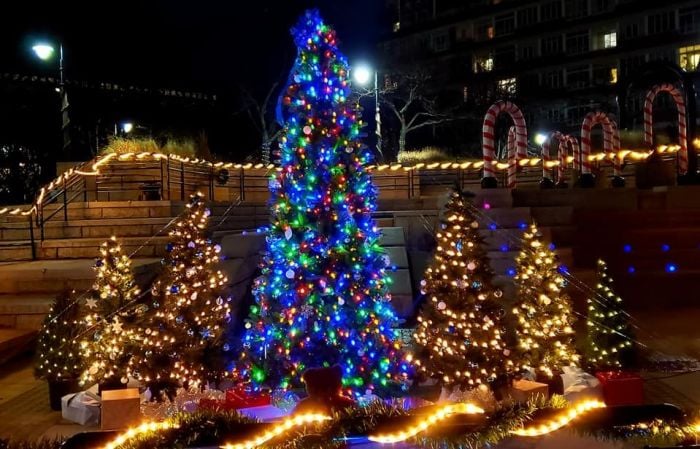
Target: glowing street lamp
{"x":127,"y":127}
{"x":362,"y":74}
{"x":540,"y":138}
{"x":45,"y":52}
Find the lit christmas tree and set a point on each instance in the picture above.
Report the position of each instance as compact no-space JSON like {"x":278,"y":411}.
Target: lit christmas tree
{"x":609,"y":341}
{"x":105,"y":345}
{"x":182,"y":332}
{"x":543,"y":310}
{"x":458,"y":340}
{"x":58,"y":348}
{"x":322,"y":298}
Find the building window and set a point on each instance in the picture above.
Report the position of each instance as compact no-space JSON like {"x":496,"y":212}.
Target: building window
{"x":507,"y":87}
{"x":552,"y":79}
{"x":439,"y":42}
{"x":483,"y":30}
{"x":577,"y":42}
{"x":631,"y":30}
{"x":465,"y":94}
{"x":661,"y":22}
{"x":527,"y":51}
{"x":689,"y":19}
{"x":613,"y":75}
{"x":527,"y":17}
{"x":576,"y":8}
{"x":550,"y":10}
{"x":504,"y":57}
{"x":689,"y":57}
{"x":610,"y":39}
{"x":598,"y":6}
{"x":505,"y":24}
{"x":396,"y":27}
{"x":578,"y":77}
{"x":483,"y":64}
{"x":551,"y":45}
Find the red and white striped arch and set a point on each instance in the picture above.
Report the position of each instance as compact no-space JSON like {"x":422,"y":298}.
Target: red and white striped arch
{"x":679,"y":100}
{"x":488,"y":139}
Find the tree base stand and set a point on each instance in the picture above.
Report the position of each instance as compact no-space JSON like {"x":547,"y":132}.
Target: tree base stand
{"x":586,"y":181}
{"x":546,"y":183}
{"x":489,"y":183}
{"x":618,"y":181}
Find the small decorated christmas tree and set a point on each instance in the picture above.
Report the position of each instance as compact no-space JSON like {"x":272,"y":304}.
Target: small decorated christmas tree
{"x":543,"y":310}
{"x":458,"y":340}
{"x":323,"y":295}
{"x":609,"y":341}
{"x":58,"y":349}
{"x":181,"y":334}
{"x":106,"y":345}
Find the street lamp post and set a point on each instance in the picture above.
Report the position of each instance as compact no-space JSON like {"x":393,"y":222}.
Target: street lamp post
{"x":45,"y":52}
{"x":362,"y":75}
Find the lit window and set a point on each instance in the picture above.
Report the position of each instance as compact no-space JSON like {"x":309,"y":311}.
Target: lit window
{"x":465,"y":94}
{"x":507,"y":86}
{"x":397,"y":26}
{"x":689,"y":57}
{"x":610,"y":40}
{"x":483,"y":64}
{"x":613,"y":75}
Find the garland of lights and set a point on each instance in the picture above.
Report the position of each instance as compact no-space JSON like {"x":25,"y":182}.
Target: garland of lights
{"x":444,"y":426}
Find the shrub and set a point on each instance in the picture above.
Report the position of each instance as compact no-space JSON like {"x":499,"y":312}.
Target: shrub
{"x":122,"y":145}
{"x":425,"y":155}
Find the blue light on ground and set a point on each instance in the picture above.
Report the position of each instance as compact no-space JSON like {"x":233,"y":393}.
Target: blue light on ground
{"x":671,"y":268}
{"x":563,"y":269}
{"x":504,"y":248}
{"x":492,"y":226}
{"x":665,"y":247}
{"x":522,"y":225}
{"x":510,"y":272}
{"x":631,"y":269}
{"x":627,"y":248}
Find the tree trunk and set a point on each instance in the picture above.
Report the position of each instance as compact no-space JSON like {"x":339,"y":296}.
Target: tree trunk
{"x":402,"y":139}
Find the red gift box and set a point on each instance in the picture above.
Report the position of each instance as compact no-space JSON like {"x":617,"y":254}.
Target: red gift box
{"x":621,"y":388}
{"x":214,"y":405}
{"x":241,"y":398}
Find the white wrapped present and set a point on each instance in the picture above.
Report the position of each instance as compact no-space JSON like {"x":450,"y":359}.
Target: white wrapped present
{"x":579,"y":385}
{"x":80,"y":408}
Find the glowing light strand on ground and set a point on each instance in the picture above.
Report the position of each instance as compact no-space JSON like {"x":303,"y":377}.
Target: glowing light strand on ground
{"x":138,"y":431}
{"x":561,"y":421}
{"x":285,"y":426}
{"x":440,"y":415}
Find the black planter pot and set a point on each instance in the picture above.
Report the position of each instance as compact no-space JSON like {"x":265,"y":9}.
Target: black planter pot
{"x":60,"y":388}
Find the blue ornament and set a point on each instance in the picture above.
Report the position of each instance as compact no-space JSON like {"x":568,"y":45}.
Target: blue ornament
{"x":98,"y":263}
{"x":476,"y":285}
{"x":169,"y":247}
{"x":174,"y":289}
{"x":459,"y":245}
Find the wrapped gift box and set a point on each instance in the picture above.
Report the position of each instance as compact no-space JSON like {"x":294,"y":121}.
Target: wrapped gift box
{"x":120,"y":408}
{"x":621,"y":388}
{"x":81,"y":409}
{"x":524,"y":390}
{"x":241,"y":398}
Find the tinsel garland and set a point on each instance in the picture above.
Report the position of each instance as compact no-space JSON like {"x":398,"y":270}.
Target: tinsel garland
{"x":655,"y":425}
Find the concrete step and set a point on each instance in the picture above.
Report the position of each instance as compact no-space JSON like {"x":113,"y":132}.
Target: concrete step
{"x":53,"y":276}
{"x":24,"y":311}
{"x":14,"y":342}
{"x":516,"y":217}
{"x":493,"y":198}
{"x":393,"y":236}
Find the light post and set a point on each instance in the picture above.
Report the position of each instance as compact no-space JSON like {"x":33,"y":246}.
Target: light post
{"x":362,"y":75}
{"x":45,"y":52}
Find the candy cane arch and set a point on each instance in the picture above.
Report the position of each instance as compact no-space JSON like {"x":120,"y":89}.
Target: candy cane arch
{"x":512,"y":156}
{"x":678,"y":99}
{"x":488,"y":146}
{"x":611,"y":141}
{"x":563,"y":140}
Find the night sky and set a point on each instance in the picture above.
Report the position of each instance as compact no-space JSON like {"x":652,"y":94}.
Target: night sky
{"x":206,"y":45}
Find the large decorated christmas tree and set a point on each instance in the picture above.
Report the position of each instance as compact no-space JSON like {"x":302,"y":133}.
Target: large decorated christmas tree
{"x":105,"y":346}
{"x":609,"y":341}
{"x":322,"y":298}
{"x":181,"y":334}
{"x":543,"y":310}
{"x":458,"y":340}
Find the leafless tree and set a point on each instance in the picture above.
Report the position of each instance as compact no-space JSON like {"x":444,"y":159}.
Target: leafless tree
{"x":262,"y":116}
{"x":410,"y":99}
